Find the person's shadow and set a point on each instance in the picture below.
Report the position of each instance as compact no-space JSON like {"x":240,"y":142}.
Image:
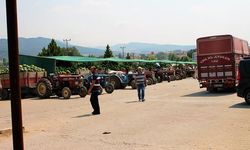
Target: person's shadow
{"x":131,"y":102}
{"x":82,"y":116}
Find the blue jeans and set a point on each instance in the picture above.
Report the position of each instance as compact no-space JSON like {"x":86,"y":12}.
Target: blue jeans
{"x":141,"y":91}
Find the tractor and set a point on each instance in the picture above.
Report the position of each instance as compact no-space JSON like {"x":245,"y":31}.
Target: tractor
{"x":61,"y":85}
{"x":104,"y":81}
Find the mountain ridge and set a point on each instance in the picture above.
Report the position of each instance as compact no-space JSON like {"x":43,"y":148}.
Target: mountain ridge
{"x":32,"y":46}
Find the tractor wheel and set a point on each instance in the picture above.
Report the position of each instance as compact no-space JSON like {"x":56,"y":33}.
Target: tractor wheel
{"x":109,"y":88}
{"x":154,"y":80}
{"x":133,"y":84}
{"x":159,"y":79}
{"x":247,"y":97}
{"x":83,"y":91}
{"x":116,"y":82}
{"x":44,"y":88}
{"x":100,"y":91}
{"x":66,"y":93}
{"x":5,"y":94}
{"x":149,"y":81}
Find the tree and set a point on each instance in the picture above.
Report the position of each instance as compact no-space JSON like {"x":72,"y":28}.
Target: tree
{"x":5,"y":62}
{"x":185,"y":58}
{"x":128,"y":56}
{"x":190,"y":53}
{"x":52,"y":50}
{"x":172,"y":56}
{"x":108,"y":53}
{"x":161,"y":56}
{"x":72,"y":51}
{"x":151,"y":57}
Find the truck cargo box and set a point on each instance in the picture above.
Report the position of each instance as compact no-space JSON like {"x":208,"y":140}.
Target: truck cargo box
{"x":217,"y":60}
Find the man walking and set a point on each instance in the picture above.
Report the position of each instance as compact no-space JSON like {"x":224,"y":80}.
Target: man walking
{"x":140,"y":80}
{"x":94,"y":90}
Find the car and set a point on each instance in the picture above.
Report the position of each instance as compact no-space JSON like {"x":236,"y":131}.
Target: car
{"x":243,"y":87}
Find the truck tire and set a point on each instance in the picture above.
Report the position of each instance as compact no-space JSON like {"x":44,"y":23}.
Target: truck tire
{"x":44,"y":88}
{"x":109,"y":88}
{"x":66,"y":93}
{"x":83,"y":91}
{"x":247,"y":96}
{"x":116,"y":82}
{"x":133,"y":84}
{"x":5,"y":94}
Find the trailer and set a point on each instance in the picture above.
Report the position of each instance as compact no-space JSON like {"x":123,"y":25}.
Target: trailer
{"x":28,"y":81}
{"x":218,"y":59}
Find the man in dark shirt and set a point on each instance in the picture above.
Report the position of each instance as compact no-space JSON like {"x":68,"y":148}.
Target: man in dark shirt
{"x":94,"y":90}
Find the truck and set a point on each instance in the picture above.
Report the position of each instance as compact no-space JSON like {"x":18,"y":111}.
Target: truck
{"x":218,"y":59}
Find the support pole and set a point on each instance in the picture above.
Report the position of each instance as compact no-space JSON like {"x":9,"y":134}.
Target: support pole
{"x":16,"y":107}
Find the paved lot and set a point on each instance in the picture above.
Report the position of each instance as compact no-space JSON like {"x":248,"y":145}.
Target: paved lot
{"x":176,"y":116}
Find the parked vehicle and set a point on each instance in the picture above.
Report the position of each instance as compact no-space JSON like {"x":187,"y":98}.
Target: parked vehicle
{"x":119,"y":80}
{"x":217,"y":59}
{"x":104,"y":81}
{"x":61,"y":85}
{"x":243,"y":88}
{"x":28,"y":81}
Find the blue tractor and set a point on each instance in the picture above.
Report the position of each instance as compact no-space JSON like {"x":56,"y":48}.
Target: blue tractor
{"x":104,"y":81}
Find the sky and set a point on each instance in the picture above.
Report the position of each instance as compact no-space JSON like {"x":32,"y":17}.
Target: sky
{"x":96,"y":23}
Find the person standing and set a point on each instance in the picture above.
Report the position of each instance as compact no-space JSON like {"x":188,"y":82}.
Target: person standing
{"x":94,"y":90}
{"x":140,"y":80}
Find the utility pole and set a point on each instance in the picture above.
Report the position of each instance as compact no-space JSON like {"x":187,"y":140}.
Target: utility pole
{"x":122,"y":47}
{"x":67,"y":42}
{"x":13,"y":50}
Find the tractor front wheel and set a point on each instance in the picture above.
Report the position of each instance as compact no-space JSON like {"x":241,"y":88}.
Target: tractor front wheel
{"x":109,"y":88}
{"x":83,"y":91}
{"x":66,"y":93}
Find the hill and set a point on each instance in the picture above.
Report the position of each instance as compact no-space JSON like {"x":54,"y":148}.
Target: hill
{"x":138,"y":47}
{"x":32,"y":46}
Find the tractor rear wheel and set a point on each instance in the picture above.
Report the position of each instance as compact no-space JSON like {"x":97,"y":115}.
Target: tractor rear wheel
{"x":66,"y":93}
{"x":83,"y":91}
{"x":44,"y":88}
{"x":149,"y":81}
{"x":133,"y":84}
{"x":116,"y":82}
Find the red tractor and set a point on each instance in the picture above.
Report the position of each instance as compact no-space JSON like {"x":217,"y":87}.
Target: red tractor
{"x":61,"y":85}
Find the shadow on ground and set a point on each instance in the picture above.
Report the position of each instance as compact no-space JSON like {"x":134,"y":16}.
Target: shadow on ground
{"x":132,"y":102}
{"x":241,"y":105}
{"x":82,"y":116}
{"x":208,"y":94}
{"x":56,"y":98}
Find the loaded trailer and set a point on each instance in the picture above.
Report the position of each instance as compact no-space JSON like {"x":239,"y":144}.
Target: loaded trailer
{"x":28,"y":81}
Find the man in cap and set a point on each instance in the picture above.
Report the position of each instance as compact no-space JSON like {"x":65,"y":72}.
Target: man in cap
{"x":140,"y":80}
{"x":94,"y":90}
